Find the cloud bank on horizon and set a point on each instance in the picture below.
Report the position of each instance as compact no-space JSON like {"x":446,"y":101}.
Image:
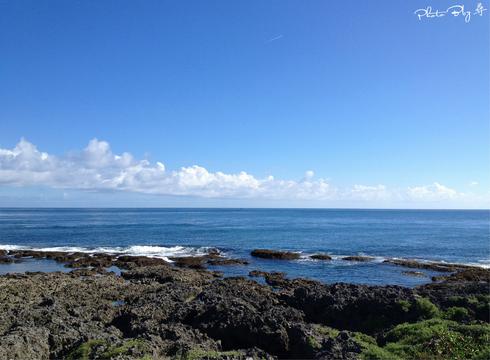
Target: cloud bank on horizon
{"x":96,"y":167}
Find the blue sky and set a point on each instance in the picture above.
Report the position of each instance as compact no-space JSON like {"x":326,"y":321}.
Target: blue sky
{"x":363,"y":94}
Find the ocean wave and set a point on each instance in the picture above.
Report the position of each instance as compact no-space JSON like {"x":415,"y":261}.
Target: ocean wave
{"x":376,"y":259}
{"x":166,"y":252}
{"x":163,"y":252}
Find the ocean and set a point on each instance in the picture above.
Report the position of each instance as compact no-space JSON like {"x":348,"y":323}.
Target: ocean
{"x":459,"y":236}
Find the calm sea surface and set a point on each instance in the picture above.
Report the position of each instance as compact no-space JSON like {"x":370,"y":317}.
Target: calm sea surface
{"x":453,"y":236}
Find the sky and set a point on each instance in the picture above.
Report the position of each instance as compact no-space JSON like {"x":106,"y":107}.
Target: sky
{"x":244,"y":104}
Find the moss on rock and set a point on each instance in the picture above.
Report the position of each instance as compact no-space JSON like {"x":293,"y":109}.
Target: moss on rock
{"x":100,"y":349}
{"x":84,"y":350}
{"x":433,"y":339}
{"x":198,"y":354}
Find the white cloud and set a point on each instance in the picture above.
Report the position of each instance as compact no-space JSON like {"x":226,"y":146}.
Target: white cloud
{"x":433,"y":192}
{"x":309,"y":174}
{"x":370,"y":193}
{"x":97,"y":168}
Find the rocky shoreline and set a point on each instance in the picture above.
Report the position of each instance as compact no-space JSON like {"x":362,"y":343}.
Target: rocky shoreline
{"x":184,"y":310}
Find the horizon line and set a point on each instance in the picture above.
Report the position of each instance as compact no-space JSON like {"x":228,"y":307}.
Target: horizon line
{"x":238,"y":208}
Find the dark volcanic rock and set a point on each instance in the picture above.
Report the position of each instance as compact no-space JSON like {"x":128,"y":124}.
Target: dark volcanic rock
{"x":6,"y":260}
{"x":321,"y":257}
{"x":259,"y":273}
{"x":53,"y":255}
{"x":443,"y":267}
{"x":242,"y":314}
{"x":95,"y":260}
{"x":58,"y":255}
{"x":3,"y":252}
{"x":274,"y":254}
{"x":473,"y":274}
{"x":154,"y":310}
{"x":131,"y":262}
{"x":165,"y":274}
{"x":224,"y":261}
{"x":277,"y":279}
{"x":99,"y":260}
{"x":25,"y":343}
{"x":348,"y":306}
{"x":27,"y":253}
{"x":199,"y":262}
{"x":192,"y":262}
{"x":66,"y":308}
{"x":341,"y":347}
{"x":87,"y":271}
{"x":358,"y":258}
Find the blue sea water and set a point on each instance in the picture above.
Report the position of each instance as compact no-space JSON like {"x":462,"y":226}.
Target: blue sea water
{"x":461,"y":236}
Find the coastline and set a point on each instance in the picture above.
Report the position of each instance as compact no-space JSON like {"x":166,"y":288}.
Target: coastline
{"x":166,"y":252}
{"x":451,"y":236}
{"x":157,"y":310}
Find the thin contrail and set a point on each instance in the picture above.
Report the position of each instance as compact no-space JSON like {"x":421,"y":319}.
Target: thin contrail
{"x":274,"y":38}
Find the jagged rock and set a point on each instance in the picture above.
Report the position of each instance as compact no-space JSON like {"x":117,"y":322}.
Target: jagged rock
{"x":275,"y":254}
{"x":242,"y":314}
{"x":6,"y":260}
{"x":131,"y":262}
{"x":199,"y":262}
{"x":277,"y":279}
{"x":224,"y":261}
{"x":358,"y":258}
{"x":437,"y":266}
{"x":473,"y":274}
{"x":165,"y":274}
{"x":25,"y":343}
{"x":58,"y":256}
{"x":87,"y":271}
{"x":98,"y":261}
{"x":160,"y":311}
{"x":27,"y":253}
{"x":348,"y":306}
{"x":321,"y":257}
{"x":191,"y":262}
{"x":342,"y":347}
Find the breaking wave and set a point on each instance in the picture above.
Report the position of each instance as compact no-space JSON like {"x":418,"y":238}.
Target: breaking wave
{"x":163,"y":252}
{"x":166,"y":252}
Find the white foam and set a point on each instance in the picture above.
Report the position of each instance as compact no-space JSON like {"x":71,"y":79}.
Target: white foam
{"x":336,"y":258}
{"x":163,"y":252}
{"x":10,"y":247}
{"x":481,"y":263}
